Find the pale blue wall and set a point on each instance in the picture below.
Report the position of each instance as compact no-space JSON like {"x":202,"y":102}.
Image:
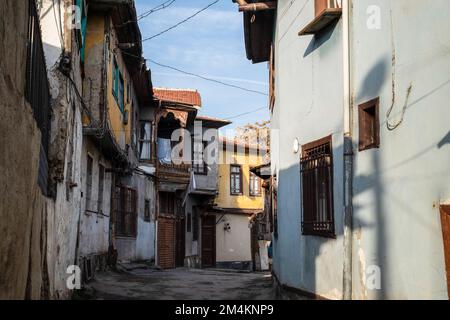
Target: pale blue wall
{"x":399,"y":186}
{"x":309,"y":106}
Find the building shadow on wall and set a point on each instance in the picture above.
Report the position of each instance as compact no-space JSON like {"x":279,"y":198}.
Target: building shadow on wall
{"x":320,"y":38}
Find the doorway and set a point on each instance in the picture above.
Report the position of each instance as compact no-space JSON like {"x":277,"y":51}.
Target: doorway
{"x":180,"y":241}
{"x":208,"y":241}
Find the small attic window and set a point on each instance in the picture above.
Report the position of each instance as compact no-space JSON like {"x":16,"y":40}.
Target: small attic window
{"x":326,"y":12}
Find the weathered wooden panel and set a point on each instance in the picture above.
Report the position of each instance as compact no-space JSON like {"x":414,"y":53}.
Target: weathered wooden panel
{"x":445,"y":221}
{"x":166,"y":243}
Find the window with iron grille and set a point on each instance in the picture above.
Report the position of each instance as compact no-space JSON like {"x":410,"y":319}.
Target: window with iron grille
{"x":199,"y":164}
{"x":235,"y":179}
{"x":37,"y":91}
{"x":254,"y":185}
{"x":125,"y":211}
{"x":167,"y":203}
{"x":90,"y":163}
{"x":317,"y":188}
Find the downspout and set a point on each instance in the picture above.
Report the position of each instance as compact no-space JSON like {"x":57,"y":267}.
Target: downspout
{"x":348,"y":154}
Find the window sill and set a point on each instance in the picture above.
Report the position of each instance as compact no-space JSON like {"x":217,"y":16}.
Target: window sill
{"x":323,"y":20}
{"x":236,"y":194}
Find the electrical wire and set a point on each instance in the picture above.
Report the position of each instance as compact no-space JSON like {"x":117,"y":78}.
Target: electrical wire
{"x":246,"y":113}
{"x":162,"y":6}
{"x":181,"y":22}
{"x":207,"y":79}
{"x":197,"y":75}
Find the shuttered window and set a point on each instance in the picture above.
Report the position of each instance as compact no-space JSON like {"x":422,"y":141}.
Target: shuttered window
{"x":317,"y":188}
{"x":235,"y":179}
{"x":118,"y":86}
{"x":369,"y":125}
{"x":125,"y":211}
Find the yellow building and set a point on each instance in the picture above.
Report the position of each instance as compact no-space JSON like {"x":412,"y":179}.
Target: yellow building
{"x":240,"y":196}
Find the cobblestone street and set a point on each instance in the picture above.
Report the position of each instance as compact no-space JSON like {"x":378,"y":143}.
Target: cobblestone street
{"x":181,"y":284}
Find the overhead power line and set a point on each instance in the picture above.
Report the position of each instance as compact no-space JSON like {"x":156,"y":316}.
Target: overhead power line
{"x":207,"y":79}
{"x":155,"y":9}
{"x":197,"y":75}
{"x":181,"y":22}
{"x":246,"y":113}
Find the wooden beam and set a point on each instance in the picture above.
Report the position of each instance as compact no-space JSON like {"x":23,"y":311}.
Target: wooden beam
{"x":258,"y":6}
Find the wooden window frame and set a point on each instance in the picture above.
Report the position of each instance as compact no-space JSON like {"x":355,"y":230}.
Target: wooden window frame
{"x":167,"y":203}
{"x":251,"y":192}
{"x":233,"y":192}
{"x":325,"y":14}
{"x":369,"y":134}
{"x":317,"y":220}
{"x":143,"y":141}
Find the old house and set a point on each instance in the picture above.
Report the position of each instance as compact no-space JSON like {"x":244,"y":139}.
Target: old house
{"x":41,"y":75}
{"x":118,"y":203}
{"x":226,"y":225}
{"x":360,"y":144}
{"x":202,"y":191}
{"x":177,"y":109}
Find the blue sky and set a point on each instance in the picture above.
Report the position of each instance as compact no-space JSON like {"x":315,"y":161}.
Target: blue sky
{"x":212,"y":45}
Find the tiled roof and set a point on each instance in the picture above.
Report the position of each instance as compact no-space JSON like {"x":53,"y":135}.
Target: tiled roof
{"x":184,"y":96}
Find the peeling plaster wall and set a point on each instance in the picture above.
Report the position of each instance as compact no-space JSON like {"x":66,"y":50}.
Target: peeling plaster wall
{"x":398,"y":188}
{"x":308,"y":106}
{"x":65,"y":142}
{"x":23,"y":208}
{"x":141,"y":247}
{"x":94,"y":227}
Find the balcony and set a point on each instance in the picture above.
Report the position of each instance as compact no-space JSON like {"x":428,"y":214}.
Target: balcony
{"x":173,"y":173}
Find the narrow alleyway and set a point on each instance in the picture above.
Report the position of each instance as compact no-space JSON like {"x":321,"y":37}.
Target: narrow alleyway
{"x":181,"y":284}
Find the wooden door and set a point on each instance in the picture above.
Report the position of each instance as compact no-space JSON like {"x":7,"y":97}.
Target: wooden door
{"x":166,"y":242}
{"x":208,"y":241}
{"x":445,"y":220}
{"x":180,"y":241}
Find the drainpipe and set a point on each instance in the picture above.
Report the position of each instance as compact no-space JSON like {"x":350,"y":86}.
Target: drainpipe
{"x":348,"y":154}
